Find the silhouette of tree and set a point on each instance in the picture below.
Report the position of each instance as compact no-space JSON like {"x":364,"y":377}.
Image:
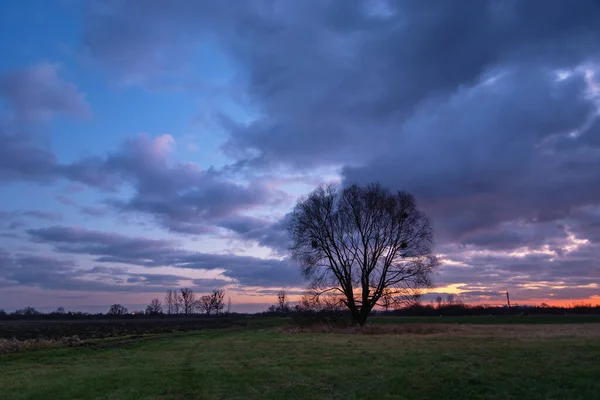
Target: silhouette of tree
{"x":27,"y":311}
{"x":155,"y":307}
{"x":387,"y":300}
{"x":205,"y":304}
{"x":117,"y":309}
{"x":214,"y":302}
{"x":360,"y":242}
{"x":282,"y":302}
{"x":217,"y":300}
{"x":170,"y":302}
{"x":187,"y":300}
{"x":439,"y":300}
{"x":60,"y":310}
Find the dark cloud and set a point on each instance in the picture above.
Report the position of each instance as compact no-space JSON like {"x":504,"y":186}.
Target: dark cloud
{"x":352,"y":75}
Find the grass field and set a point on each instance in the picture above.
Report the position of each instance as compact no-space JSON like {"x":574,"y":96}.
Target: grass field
{"x":451,"y":361}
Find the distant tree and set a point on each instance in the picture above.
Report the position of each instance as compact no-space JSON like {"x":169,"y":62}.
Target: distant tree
{"x":187,"y":300}
{"x":2,"y":312}
{"x":386,"y":300}
{"x":170,"y":301}
{"x":27,"y":311}
{"x":229,"y":305}
{"x":205,"y":304}
{"x":361,"y":241}
{"x":439,"y":300}
{"x":272,"y":308}
{"x":217,"y":298}
{"x":212,"y":303}
{"x":178,"y":302}
{"x":155,"y":307}
{"x":60,"y":310}
{"x":282,"y":302}
{"x":450,"y":300}
{"x":117,"y":309}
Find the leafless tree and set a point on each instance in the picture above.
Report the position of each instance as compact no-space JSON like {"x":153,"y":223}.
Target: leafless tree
{"x":439,"y":300}
{"x":170,"y":301}
{"x":317,"y":302}
{"x":228,"y":305}
{"x":187,"y":300}
{"x":387,"y":300}
{"x":217,"y":300}
{"x":205,"y":304}
{"x":177,"y":305}
{"x":155,"y":307}
{"x":360,"y":242}
{"x":282,"y":302}
{"x":214,"y":302}
{"x":117,"y":309}
{"x":60,"y":310}
{"x":450,"y":299}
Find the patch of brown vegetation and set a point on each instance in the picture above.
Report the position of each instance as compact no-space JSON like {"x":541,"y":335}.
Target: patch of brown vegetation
{"x":14,"y":345}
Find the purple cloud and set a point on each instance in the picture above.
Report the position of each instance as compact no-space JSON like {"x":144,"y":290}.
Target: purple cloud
{"x":38,"y":92}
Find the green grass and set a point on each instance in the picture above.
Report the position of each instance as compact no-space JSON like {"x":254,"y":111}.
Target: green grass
{"x":262,"y":363}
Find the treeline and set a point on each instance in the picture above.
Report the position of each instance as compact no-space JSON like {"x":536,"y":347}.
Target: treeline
{"x":183,"y":301}
{"x":177,"y":302}
{"x":460,"y":309}
{"x":448,"y":306}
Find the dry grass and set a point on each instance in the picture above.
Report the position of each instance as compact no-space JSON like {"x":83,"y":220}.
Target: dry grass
{"x":14,"y":345}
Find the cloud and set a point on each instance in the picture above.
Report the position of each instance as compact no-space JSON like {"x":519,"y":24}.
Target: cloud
{"x":180,"y":196}
{"x":33,"y":95}
{"x":43,"y":215}
{"x":22,"y":158}
{"x":37,"y":93}
{"x":52,"y":273}
{"x":487,"y":111}
{"x":13,"y":219}
{"x":352,"y":76}
{"x":115,"y":248}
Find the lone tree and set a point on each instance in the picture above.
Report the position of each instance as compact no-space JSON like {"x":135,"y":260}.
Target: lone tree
{"x":362,"y":243}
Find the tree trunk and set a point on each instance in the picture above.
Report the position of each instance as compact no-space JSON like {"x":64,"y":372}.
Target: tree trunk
{"x":363,"y":315}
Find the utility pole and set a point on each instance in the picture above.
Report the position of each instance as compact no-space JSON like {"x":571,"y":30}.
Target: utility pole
{"x":508,"y":299}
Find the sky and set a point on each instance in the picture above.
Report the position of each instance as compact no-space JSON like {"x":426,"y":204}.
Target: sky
{"x":153,"y":145}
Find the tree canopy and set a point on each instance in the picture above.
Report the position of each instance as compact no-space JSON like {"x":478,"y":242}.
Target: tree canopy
{"x":363,"y":244}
